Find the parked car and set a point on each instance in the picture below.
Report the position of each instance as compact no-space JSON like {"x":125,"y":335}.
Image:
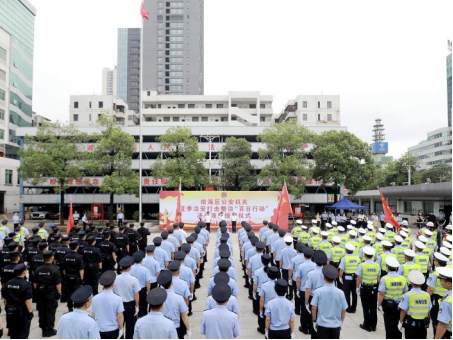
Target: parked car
{"x":41,"y":213}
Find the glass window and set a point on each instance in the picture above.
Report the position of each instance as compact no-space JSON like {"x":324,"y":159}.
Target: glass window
{"x":191,"y":106}
{"x":208,"y":106}
{"x":75,"y":118}
{"x":2,"y":75}
{"x":219,"y":106}
{"x":176,"y":119}
{"x":177,"y":46}
{"x":329,"y":117}
{"x":8,"y":177}
{"x":166,"y":119}
{"x":262,"y":106}
{"x":329,"y":104}
{"x":2,"y":134}
{"x":319,"y":117}
{"x":195,"y":119}
{"x":181,"y":106}
{"x":176,"y":39}
{"x":304,"y":104}
{"x":319,"y":104}
{"x":2,"y":114}
{"x":176,"y":81}
{"x":100,"y":105}
{"x":304,"y":116}
{"x":252,"y":106}
{"x":176,"y":74}
{"x":89,"y":105}
{"x":204,"y":119}
{"x":2,"y":95}
{"x":2,"y":54}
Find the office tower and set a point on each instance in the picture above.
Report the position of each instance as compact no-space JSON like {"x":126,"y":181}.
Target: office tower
{"x":17,"y":19}
{"x":449,"y":89}
{"x":173,"y":47}
{"x":109,"y":81}
{"x":128,"y":67}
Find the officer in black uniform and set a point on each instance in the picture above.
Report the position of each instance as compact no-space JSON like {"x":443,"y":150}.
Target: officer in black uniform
{"x":108,"y":251}
{"x":132,"y":238}
{"x":92,"y":260}
{"x":18,"y":305}
{"x":73,"y":272}
{"x":47,"y":283}
{"x":121,"y":243}
{"x":7,"y":271}
{"x":143,"y":233}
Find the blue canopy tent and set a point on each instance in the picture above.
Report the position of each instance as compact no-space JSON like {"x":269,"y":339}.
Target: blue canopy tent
{"x":345,"y":204}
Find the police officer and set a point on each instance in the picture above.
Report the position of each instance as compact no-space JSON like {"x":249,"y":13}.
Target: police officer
{"x":368,"y":274}
{"x":302,"y":275}
{"x":292,"y":273}
{"x":127,"y":287}
{"x":78,"y":324}
{"x":219,"y":322}
{"x":155,"y":325}
{"x":348,"y":266}
{"x":151,"y":264}
{"x":108,"y":251}
{"x":279,"y":313}
{"x":443,"y":329}
{"x":175,"y":308}
{"x":390,"y":292}
{"x":92,"y":259}
{"x":409,"y":264}
{"x":47,"y":282}
{"x":144,"y":279}
{"x":143,"y":233}
{"x":266,"y":293}
{"x":73,"y":271}
{"x":435,"y":288}
{"x":18,"y":304}
{"x":108,"y":308}
{"x":328,"y":306}
{"x":415,"y":306}
{"x":160,"y":254}
{"x":285,"y":256}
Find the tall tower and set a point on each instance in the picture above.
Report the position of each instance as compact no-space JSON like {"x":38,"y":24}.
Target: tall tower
{"x":379,"y":145}
{"x":173,"y":47}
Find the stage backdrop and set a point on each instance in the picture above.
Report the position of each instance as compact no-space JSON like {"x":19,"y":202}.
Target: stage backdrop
{"x":250,"y":206}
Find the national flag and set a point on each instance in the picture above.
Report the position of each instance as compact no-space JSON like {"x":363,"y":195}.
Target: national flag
{"x":144,"y":12}
{"x":70,"y":220}
{"x":280,"y":216}
{"x":388,"y":214}
{"x":178,"y":205}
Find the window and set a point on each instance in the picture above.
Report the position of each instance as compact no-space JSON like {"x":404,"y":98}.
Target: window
{"x":2,"y":75}
{"x":166,"y":119}
{"x":89,"y":117}
{"x":176,"y":81}
{"x":319,"y":104}
{"x":304,"y":116}
{"x":252,"y":106}
{"x":208,"y":106}
{"x":2,"y":114}
{"x":204,"y":119}
{"x":2,"y":54}
{"x":262,"y":106}
{"x":176,"y":46}
{"x":2,"y":134}
{"x":100,"y":105}
{"x":195,"y":119}
{"x":2,"y":94}
{"x":319,"y":117}
{"x":176,"y":39}
{"x":191,"y":106}
{"x":262,"y":119}
{"x":181,"y":106}
{"x":304,"y":104}
{"x":223,"y":119}
{"x":176,"y":74}
{"x":176,"y":119}
{"x":329,"y":104}
{"x":329,"y":117}
{"x":89,"y":105}
{"x":8,"y":177}
{"x":75,"y":118}
{"x":219,"y":106}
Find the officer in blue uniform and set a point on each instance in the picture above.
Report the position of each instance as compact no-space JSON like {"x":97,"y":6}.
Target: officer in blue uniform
{"x":286,"y":254}
{"x":267,"y":293}
{"x":328,"y":306}
{"x":108,"y":308}
{"x":443,"y":329}
{"x":301,"y":278}
{"x":155,"y":325}
{"x":78,"y":324}
{"x":144,"y":279}
{"x":151,"y":264}
{"x":280,"y":316}
{"x":219,"y":322}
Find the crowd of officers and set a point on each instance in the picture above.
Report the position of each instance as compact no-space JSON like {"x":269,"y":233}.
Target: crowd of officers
{"x":404,"y":274}
{"x":148,"y":289}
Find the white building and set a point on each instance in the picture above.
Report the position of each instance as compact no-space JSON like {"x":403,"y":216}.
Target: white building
{"x":9,"y":185}
{"x":435,"y":149}
{"x":318,"y":113}
{"x":4,"y":90}
{"x":109,"y":84}
{"x":39,"y":120}
{"x":85,"y":110}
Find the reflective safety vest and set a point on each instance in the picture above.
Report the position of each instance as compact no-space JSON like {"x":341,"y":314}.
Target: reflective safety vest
{"x":337,"y":253}
{"x":423,"y":262}
{"x":406,"y":243}
{"x":370,"y":273}
{"x":431,"y":243}
{"x":394,"y":287}
{"x":428,"y":251}
{"x":344,"y":238}
{"x":304,"y":237}
{"x":418,"y":305}
{"x":296,"y":232}
{"x":372,"y":234}
{"x":314,"y":242}
{"x":383,"y":257}
{"x":378,"y":248}
{"x":407,"y":267}
{"x":42,"y":233}
{"x":389,"y":236}
{"x":351,"y":262}
{"x":399,"y":254}
{"x":325,"y":246}
{"x":438,"y":289}
{"x":19,"y":235}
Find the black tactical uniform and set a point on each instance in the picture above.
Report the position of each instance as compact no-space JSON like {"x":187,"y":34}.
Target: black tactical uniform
{"x":92,"y":260}
{"x":132,"y":238}
{"x":107,"y":249}
{"x":143,"y":233}
{"x":72,"y":265}
{"x":121,"y":243}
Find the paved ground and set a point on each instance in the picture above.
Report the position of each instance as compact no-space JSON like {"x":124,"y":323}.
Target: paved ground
{"x":248,"y":320}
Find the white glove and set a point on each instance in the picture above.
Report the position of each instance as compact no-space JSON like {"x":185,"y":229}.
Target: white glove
{"x":307,"y":307}
{"x":290,"y":282}
{"x":400,"y":326}
{"x":266,"y":333}
{"x":314,"y":325}
{"x":358,"y":290}
{"x":190,"y":297}
{"x":379,"y":308}
{"x":189,"y":333}
{"x":293,"y":335}
{"x":261,"y":315}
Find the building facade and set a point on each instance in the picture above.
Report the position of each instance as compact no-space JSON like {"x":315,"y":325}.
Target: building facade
{"x":109,"y":77}
{"x":173,"y":40}
{"x":85,"y":110}
{"x":317,"y":113}
{"x":128,"y":67}
{"x":9,"y":185}
{"x":449,"y":85}
{"x":436,"y":149}
{"x":16,"y":71}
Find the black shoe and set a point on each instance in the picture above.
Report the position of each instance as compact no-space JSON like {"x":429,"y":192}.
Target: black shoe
{"x":365,"y":328}
{"x":305,"y":331}
{"x":297,"y":312}
{"x":194,"y":298}
{"x":260,"y":330}
{"x":190,"y":313}
{"x":373,"y":329}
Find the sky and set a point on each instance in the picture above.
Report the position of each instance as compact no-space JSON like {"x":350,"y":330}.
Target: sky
{"x":386,"y":59}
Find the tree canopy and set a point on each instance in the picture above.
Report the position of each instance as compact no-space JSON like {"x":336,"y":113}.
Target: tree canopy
{"x":236,"y":167}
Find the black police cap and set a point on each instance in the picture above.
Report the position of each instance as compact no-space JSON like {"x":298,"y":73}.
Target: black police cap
{"x":281,"y":286}
{"x":174,"y":266}
{"x":19,"y":268}
{"x":266,"y":259}
{"x":224,"y":253}
{"x":126,"y":262}
{"x":223,"y":264}
{"x":82,"y":294}
{"x":300,"y":247}
{"x":186,"y":248}
{"x":330,"y":272}
{"x":221,"y":293}
{"x":190,"y":239}
{"x":273,"y":272}
{"x":221,"y":277}
{"x":107,"y":278}
{"x":260,"y":245}
{"x":180,"y":255}
{"x":164,"y":277}
{"x":150,"y":248}
{"x":308,"y":252}
{"x":319,"y":257}
{"x":157,"y":241}
{"x":156,"y":296}
{"x":164,"y":234}
{"x":138,"y":256}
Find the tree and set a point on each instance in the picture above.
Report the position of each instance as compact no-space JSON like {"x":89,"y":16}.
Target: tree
{"x":343,"y":159}
{"x":52,"y":153}
{"x":183,"y":161}
{"x":438,"y":173}
{"x":237,"y":170}
{"x":285,"y":148}
{"x":397,"y":172}
{"x":112,"y":158}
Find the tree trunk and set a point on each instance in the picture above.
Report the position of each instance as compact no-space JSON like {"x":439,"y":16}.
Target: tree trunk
{"x":61,"y":208}
{"x":111,"y":208}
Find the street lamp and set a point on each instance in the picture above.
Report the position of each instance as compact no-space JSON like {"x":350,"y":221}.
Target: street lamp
{"x":209,"y":139}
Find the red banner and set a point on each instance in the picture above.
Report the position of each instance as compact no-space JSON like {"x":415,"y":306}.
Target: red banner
{"x":388,"y":214}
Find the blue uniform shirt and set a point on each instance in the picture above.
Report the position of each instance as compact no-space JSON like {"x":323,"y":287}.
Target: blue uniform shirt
{"x":219,"y":323}
{"x":260,"y":277}
{"x":155,"y":326}
{"x":330,"y":302}
{"x":126,"y":286}
{"x":315,"y":279}
{"x":180,"y":287}
{"x":232,"y":283}
{"x":168,"y":246}
{"x":77,"y":325}
{"x":153,"y":267}
{"x":106,"y":306}
{"x":286,"y":255}
{"x":186,"y":274}
{"x":280,"y":311}
{"x":161,"y":256}
{"x":271,"y":238}
{"x":267,"y":291}
{"x":277,"y":246}
{"x":296,"y":261}
{"x":232,"y":304}
{"x":190,"y":262}
{"x":250,"y":252}
{"x":444,"y":314}
{"x":302,"y":272}
{"x":231,"y":272}
{"x":141,"y":274}
{"x":174,"y":306}
{"x":255,"y":262}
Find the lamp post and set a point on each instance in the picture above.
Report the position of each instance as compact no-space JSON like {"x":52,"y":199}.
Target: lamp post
{"x":209,"y":139}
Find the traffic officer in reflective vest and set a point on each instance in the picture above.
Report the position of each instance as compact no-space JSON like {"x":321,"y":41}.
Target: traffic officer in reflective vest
{"x":435,"y":288}
{"x":409,"y":265}
{"x":368,"y":274}
{"x":415,"y":306}
{"x":421,"y":259}
{"x":390,"y":292}
{"x":443,"y":329}
{"x":348,"y":266}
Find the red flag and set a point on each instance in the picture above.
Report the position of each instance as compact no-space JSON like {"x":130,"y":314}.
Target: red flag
{"x":178,"y":205}
{"x":70,"y":220}
{"x":388,"y":214}
{"x":280,"y":216}
{"x":144,"y":12}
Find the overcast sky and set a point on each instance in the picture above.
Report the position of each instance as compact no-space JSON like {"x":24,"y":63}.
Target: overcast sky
{"x":384,"y":58}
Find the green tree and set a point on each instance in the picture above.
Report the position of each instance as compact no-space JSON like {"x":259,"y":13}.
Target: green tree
{"x":397,"y":172}
{"x":285,"y":149}
{"x":52,"y":153}
{"x":112,"y":159}
{"x":236,"y":167}
{"x":438,"y":173}
{"x":343,"y":159}
{"x":183,"y":161}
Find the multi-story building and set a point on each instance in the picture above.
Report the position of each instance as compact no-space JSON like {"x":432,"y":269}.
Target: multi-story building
{"x":173,"y":47}
{"x":435,"y":149}
{"x":128,"y":67}
{"x":39,"y":120}
{"x":85,"y":110}
{"x":449,"y":85}
{"x":9,"y":185}
{"x":16,"y":71}
{"x":317,"y":113}
{"x":109,"y":81}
